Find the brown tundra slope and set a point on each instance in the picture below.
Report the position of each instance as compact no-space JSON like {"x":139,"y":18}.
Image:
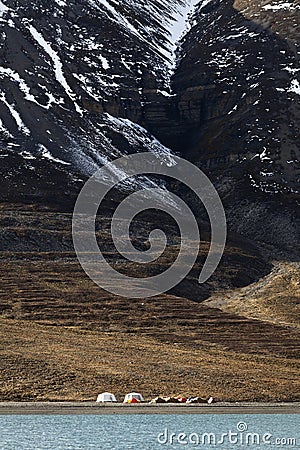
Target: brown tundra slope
{"x":65,"y":338}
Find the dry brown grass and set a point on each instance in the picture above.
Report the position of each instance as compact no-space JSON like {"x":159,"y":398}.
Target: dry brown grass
{"x":63,"y":338}
{"x":78,"y":340}
{"x":54,"y":363}
{"x":274,"y":298}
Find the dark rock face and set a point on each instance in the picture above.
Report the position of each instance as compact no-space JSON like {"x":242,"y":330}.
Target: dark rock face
{"x":65,"y":64}
{"x":86,"y":81}
{"x":237,"y":92}
{"x":236,"y":112}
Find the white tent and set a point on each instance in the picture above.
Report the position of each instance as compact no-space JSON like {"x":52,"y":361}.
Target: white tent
{"x":106,"y":397}
{"x":133,"y":397}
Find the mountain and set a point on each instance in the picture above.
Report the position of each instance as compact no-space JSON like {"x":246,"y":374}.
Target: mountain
{"x":73,"y":76}
{"x":236,"y":111}
{"x":86,"y":81}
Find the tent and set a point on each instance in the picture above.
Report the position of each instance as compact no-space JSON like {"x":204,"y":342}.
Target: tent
{"x":133,"y":397}
{"x":106,"y":397}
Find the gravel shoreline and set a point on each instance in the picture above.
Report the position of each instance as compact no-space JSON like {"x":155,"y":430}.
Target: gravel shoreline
{"x":61,"y":408}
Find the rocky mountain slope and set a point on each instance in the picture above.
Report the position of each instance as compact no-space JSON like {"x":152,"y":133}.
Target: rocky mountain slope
{"x":236,"y":111}
{"x":86,"y":81}
{"x":72,"y":81}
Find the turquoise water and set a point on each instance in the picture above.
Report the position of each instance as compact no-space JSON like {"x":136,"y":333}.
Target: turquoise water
{"x":149,"y":432}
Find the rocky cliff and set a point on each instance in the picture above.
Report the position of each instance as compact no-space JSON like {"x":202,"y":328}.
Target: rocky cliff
{"x":237,"y":112}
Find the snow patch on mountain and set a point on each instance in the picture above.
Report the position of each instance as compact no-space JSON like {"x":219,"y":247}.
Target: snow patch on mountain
{"x":279,"y":6}
{"x":136,"y":134}
{"x":57,"y":65}
{"x":4,"y":130}
{"x":61,"y":3}
{"x":105,"y":63}
{"x":295,"y":87}
{"x":16,"y":116}
{"x":3,"y":8}
{"x":4,"y":71}
{"x":46,"y":154}
{"x":179,"y":26}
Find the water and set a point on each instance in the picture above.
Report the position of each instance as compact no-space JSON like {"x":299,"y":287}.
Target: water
{"x":141,"y":432}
